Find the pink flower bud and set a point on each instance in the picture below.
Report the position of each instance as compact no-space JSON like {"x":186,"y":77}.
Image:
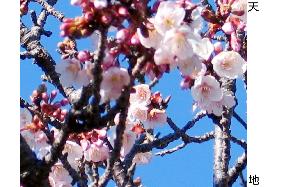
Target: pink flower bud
{"x":122,"y":35}
{"x":135,"y":40}
{"x":218,"y":47}
{"x":63,"y":33}
{"x":228,"y":28}
{"x":123,"y":11}
{"x":83,"y":56}
{"x":56,"y":105}
{"x":53,"y":95}
{"x":45,"y":97}
{"x":64,"y":112}
{"x":64,"y":102}
{"x":61,"y":117}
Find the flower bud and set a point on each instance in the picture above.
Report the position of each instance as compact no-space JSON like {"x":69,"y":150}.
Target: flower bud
{"x":135,"y":40}
{"x":83,"y":56}
{"x":218,"y":47}
{"x":64,"y":102}
{"x":45,"y":97}
{"x":123,"y":11}
{"x":53,"y":95}
{"x":228,"y":28}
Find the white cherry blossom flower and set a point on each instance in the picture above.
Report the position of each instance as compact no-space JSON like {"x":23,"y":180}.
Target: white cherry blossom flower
{"x":100,"y":4}
{"x":204,"y":48}
{"x":59,"y":176}
{"x":216,"y":107}
{"x":142,"y":158}
{"x":75,"y":153}
{"x":190,"y":67}
{"x":206,"y":89}
{"x":113,"y":81}
{"x":229,"y":64}
{"x":240,"y":6}
{"x":196,"y":23}
{"x":142,"y":94}
{"x":138,"y":111}
{"x":96,"y":152}
{"x":168,"y":16}
{"x":71,"y":73}
{"x":163,"y":56}
{"x":181,"y":41}
{"x":155,"y":118}
{"x":128,"y":141}
{"x":154,"y":39}
{"x":25,"y":117}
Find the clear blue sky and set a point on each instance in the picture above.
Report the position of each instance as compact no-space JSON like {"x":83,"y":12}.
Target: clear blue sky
{"x":189,"y":167}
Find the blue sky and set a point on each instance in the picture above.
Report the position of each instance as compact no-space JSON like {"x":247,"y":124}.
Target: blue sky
{"x":189,"y":167}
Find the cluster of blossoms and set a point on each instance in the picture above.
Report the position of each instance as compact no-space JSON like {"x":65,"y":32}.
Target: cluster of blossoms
{"x":75,"y":73}
{"x":46,"y":104}
{"x":178,"y":43}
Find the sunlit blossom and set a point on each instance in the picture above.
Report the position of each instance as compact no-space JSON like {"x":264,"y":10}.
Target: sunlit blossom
{"x":229,"y":64}
{"x":168,"y":16}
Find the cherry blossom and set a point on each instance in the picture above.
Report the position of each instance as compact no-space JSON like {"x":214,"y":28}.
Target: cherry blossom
{"x":153,"y":40}
{"x":72,"y":73}
{"x":206,"y":89}
{"x":75,"y":153}
{"x":155,"y":117}
{"x":181,"y":41}
{"x":96,"y":151}
{"x":229,"y":64}
{"x":168,"y":16}
{"x":163,"y":56}
{"x":216,"y":107}
{"x":142,"y":94}
{"x":113,"y":81}
{"x":59,"y":176}
{"x":204,"y":48}
{"x":25,"y":117}
{"x":239,"y":8}
{"x":190,"y":66}
{"x":142,"y":158}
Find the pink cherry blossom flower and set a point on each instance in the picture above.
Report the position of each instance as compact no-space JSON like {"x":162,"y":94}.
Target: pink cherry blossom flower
{"x":75,"y":153}
{"x":229,"y":64}
{"x":168,"y":16}
{"x":128,"y":141}
{"x":113,"y":81}
{"x":138,"y":111}
{"x":190,"y":66}
{"x":71,"y":73}
{"x":59,"y":176}
{"x":204,"y":48}
{"x":153,"y":39}
{"x":196,"y":23}
{"x":206,"y":89}
{"x":96,"y":151}
{"x":216,"y":107}
{"x":180,"y":41}
{"x":155,"y":117}
{"x":239,"y":8}
{"x":25,"y":117}
{"x":162,"y":56}
{"x":142,"y":94}
{"x":142,"y":158}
